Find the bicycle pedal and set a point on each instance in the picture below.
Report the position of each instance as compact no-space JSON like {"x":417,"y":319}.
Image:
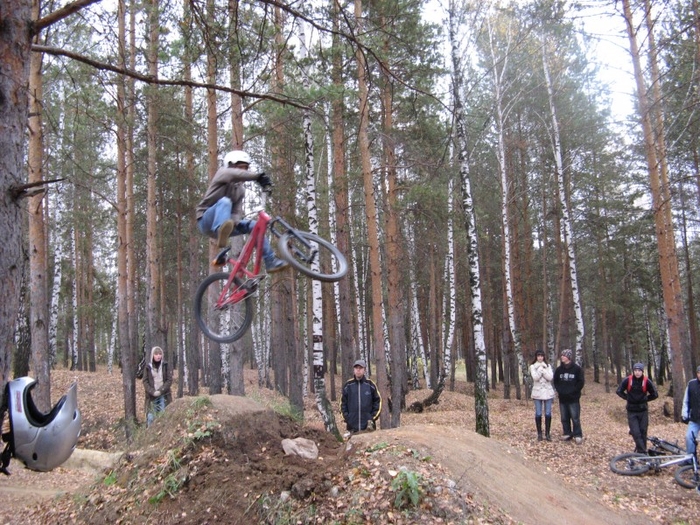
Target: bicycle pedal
{"x":220,"y":258}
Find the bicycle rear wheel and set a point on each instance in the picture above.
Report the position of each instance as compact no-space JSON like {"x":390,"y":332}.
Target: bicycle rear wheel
{"x":226,"y":324}
{"x":687,"y":477}
{"x":630,"y":464}
{"x":296,"y":253}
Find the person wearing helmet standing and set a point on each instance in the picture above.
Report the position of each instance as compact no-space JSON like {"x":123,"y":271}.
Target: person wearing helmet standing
{"x":543,"y":393}
{"x":637,"y":390}
{"x":157,"y":381}
{"x":220,"y":212}
{"x":691,"y":412}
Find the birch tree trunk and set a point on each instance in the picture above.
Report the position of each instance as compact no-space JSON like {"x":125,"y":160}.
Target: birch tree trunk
{"x":566,"y":230}
{"x":322,"y":403}
{"x":665,"y":235}
{"x":59,"y":255}
{"x":499,"y":67}
{"x":481,"y":406}
{"x":450,"y":279}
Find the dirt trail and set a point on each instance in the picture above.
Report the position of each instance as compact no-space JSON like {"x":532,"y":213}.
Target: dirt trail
{"x":490,"y":470}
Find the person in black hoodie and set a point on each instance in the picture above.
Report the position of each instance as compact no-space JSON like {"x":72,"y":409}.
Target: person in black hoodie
{"x":568,"y":382}
{"x":361,"y":402}
{"x":637,"y":390}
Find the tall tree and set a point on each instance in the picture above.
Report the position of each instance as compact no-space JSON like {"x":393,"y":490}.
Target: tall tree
{"x":38,"y":259}
{"x":481,"y":406}
{"x":661,"y":202}
{"x":377,"y":301}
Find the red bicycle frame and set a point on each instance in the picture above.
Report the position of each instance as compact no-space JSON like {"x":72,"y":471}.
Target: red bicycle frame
{"x":232,"y":294}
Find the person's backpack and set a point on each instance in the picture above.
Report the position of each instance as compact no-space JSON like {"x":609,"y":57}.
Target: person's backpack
{"x":644,"y":383}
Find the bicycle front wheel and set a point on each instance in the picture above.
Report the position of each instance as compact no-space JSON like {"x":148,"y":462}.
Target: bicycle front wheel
{"x":293,"y":250}
{"x":630,"y":464}
{"x":687,"y":477}
{"x":221,"y":324}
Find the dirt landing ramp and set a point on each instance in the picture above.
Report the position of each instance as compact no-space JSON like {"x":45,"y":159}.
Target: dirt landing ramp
{"x":501,"y":476}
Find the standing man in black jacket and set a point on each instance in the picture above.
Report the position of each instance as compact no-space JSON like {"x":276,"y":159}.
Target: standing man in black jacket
{"x":568,"y":382}
{"x":637,"y":390}
{"x":361,"y":402}
{"x":691,"y":411}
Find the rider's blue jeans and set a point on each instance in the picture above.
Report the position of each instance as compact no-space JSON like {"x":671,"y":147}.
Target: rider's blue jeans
{"x":220,"y":212}
{"x":157,"y":406}
{"x":693,"y":430}
{"x":571,"y":416}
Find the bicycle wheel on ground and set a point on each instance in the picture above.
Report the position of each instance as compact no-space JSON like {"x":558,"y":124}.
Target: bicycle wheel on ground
{"x":293,"y":250}
{"x":687,"y":477}
{"x":226,"y":324}
{"x":630,"y":464}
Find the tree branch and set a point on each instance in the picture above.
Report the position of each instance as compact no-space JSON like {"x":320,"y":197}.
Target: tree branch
{"x":150,"y":80}
{"x":60,"y":14}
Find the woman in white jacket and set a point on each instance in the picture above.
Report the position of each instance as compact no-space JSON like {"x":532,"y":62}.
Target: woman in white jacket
{"x":543,"y":393}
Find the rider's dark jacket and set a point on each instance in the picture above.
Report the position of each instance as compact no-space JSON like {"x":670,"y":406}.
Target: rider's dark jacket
{"x":635,"y":396}
{"x":691,"y":402}
{"x":360,"y":403}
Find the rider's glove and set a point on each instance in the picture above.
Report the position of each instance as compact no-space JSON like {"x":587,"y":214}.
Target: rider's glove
{"x":264,"y":180}
{"x":371,"y":425}
{"x":156,"y":393}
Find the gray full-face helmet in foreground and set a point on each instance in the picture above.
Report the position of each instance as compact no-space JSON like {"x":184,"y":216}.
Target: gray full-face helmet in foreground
{"x":41,"y":441}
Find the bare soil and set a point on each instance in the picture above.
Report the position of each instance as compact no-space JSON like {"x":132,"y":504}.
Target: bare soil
{"x":218,"y":459}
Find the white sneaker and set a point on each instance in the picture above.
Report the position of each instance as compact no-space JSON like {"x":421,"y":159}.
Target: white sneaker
{"x":578,"y":440}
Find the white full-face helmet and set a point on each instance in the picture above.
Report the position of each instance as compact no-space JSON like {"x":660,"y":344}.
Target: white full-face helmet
{"x":236,"y":156}
{"x":41,"y":441}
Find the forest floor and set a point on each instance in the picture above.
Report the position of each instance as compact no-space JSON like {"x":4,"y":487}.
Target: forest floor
{"x":218,"y":459}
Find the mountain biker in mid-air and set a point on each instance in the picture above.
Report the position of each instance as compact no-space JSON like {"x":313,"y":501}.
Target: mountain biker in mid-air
{"x":220,"y":212}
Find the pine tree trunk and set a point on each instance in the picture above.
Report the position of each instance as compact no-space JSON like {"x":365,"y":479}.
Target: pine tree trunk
{"x":661,"y":202}
{"x":394,"y":257}
{"x":38,"y":265}
{"x":346,"y":287}
{"x":244,"y":345}
{"x":376,"y":326}
{"x":214,"y":361}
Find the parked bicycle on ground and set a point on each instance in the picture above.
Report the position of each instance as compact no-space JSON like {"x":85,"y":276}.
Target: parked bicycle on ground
{"x":661,"y":455}
{"x":222,"y":303}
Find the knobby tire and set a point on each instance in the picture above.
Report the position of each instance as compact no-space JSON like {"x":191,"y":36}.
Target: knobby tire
{"x":622,"y":465}
{"x":686,"y":477}
{"x":289,"y":244}
{"x":215,"y":324}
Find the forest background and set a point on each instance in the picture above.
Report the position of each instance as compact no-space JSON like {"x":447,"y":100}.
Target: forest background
{"x":471,"y":171}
